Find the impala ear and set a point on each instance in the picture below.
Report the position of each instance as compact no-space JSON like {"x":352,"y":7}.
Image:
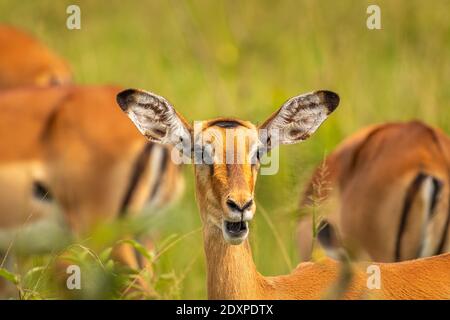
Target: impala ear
{"x":155,"y":117}
{"x":298,"y":118}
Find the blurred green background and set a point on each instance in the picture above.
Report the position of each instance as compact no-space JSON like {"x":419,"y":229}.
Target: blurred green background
{"x":244,"y":59}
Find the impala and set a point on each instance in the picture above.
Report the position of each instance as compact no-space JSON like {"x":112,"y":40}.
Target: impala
{"x":386,"y":189}
{"x":225,"y":197}
{"x":26,"y":61}
{"x":69,"y":149}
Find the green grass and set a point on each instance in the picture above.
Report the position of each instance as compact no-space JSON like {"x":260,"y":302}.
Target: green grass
{"x":243,"y":59}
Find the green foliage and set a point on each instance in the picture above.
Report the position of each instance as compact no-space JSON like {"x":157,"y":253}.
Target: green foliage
{"x":9,"y":276}
{"x":102,"y":277}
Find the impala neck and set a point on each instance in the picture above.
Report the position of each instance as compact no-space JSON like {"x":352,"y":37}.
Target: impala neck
{"x":231,"y":271}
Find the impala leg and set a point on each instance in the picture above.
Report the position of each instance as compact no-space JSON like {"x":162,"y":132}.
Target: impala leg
{"x":127,"y":255}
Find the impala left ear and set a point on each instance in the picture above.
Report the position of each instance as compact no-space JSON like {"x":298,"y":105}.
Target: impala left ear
{"x":298,"y":118}
{"x":155,"y":118}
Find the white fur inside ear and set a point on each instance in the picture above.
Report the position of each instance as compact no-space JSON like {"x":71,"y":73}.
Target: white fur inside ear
{"x":301,"y":124}
{"x":147,"y":123}
{"x":155,"y":118}
{"x":298,"y":118}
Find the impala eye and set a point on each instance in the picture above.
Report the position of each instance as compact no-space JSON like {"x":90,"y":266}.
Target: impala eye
{"x":41,"y":192}
{"x":203,"y":154}
{"x":208,"y":154}
{"x":256,"y":157}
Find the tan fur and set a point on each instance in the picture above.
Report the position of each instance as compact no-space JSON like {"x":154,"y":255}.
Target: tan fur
{"x":233,"y":275}
{"x":76,"y":142}
{"x":83,"y":149}
{"x":231,"y":272}
{"x":367,"y":179}
{"x":25,"y":61}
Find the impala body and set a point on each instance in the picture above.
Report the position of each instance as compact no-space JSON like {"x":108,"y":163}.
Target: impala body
{"x":25,"y":61}
{"x":68,"y":150}
{"x":225,"y":191}
{"x":387,"y":193}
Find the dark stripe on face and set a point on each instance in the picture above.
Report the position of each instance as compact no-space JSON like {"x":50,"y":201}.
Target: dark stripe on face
{"x":410,"y":195}
{"x":226,"y":124}
{"x":162,"y":169}
{"x":138,"y":169}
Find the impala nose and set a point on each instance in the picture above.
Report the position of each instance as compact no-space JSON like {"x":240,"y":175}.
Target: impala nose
{"x":234,"y":206}
{"x":239,"y":210}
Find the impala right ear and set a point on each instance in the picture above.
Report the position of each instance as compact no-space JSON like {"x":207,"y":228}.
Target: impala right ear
{"x":155,"y":117}
{"x":298,"y":118}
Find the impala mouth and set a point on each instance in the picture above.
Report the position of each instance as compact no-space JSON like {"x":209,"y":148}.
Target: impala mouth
{"x":235,"y":232}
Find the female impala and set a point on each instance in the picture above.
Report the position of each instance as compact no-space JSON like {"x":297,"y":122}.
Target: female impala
{"x":76,"y":153}
{"x":387,"y":190}
{"x":225,"y":191}
{"x":26,"y":61}
{"x":68,"y":149}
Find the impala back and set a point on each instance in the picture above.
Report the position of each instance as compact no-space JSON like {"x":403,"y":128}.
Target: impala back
{"x":70,"y":150}
{"x":386,"y":191}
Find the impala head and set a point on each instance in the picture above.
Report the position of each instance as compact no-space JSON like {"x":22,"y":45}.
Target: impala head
{"x":226,"y":152}
{"x":25,"y":61}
